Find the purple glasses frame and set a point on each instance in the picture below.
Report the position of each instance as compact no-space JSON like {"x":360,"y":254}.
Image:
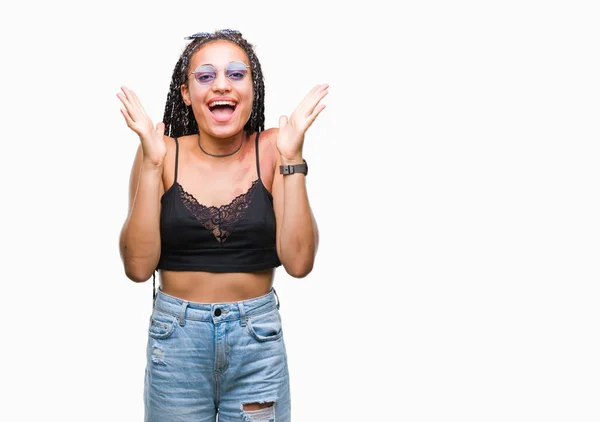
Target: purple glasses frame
{"x":210,"y":71}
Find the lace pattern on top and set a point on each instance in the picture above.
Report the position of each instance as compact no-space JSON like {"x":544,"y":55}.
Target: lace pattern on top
{"x":219,"y":220}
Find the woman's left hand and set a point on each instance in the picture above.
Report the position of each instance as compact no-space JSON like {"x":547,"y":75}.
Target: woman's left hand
{"x":291,"y":132}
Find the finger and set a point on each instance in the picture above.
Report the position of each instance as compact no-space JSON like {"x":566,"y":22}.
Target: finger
{"x":310,"y":93}
{"x":135,"y":110}
{"x":312,"y":99}
{"x":318,"y":96}
{"x":126,"y":102}
{"x":282,"y":121}
{"x":135,"y":103}
{"x":128,"y":120}
{"x":318,"y":89}
{"x":308,"y":96}
{"x":123,"y":99}
{"x":128,"y":94}
{"x":321,"y":92}
{"x":311,"y":103}
{"x":314,"y":115}
{"x":313,"y":90}
{"x":138,"y":102}
{"x":160,"y":128}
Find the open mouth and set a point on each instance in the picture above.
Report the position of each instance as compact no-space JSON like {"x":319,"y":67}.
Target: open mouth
{"x":222,"y":110}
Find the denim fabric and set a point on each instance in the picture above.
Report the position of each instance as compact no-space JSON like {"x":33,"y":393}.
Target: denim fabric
{"x":209,"y":359}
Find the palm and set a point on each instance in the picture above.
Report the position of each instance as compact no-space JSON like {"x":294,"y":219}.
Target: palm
{"x":153,"y":144}
{"x":291,"y":132}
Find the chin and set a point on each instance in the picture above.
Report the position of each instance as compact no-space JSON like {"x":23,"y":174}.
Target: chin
{"x":225,"y":131}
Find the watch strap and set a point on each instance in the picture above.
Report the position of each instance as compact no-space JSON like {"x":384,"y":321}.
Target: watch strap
{"x":294,"y":168}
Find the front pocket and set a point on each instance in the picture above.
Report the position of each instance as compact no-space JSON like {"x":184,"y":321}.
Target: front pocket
{"x":265,"y":327}
{"x":161,"y":325}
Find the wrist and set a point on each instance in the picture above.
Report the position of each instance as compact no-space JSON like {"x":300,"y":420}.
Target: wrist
{"x":294,"y":168}
{"x":151,"y":167}
{"x":296,"y":159}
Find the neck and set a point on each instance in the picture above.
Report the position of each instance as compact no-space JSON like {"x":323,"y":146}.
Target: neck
{"x":220,"y":147}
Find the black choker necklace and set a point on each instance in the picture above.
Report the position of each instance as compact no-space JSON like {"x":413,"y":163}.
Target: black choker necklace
{"x":219,"y":155}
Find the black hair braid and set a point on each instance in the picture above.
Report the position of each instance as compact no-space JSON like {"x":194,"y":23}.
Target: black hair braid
{"x":179,"y":118}
{"x":257,"y":118}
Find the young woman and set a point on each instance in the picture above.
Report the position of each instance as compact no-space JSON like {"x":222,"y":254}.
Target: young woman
{"x":216,"y":204}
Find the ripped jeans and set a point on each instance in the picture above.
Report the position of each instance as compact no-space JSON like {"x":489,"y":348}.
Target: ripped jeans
{"x":219,"y":358}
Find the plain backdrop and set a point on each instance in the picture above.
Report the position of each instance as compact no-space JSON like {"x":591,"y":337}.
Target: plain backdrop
{"x":454,"y":176}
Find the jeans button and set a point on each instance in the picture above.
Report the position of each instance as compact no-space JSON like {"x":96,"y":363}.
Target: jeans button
{"x":217,"y":312}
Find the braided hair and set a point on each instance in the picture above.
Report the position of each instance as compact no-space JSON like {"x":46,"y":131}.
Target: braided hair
{"x":179,"y":118}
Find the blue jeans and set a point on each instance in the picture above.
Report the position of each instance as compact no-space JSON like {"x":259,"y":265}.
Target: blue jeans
{"x":206,"y":359}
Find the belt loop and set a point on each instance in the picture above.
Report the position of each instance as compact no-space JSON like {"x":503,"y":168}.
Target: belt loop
{"x":243,"y":317}
{"x":277,"y":297}
{"x":184,"y":306}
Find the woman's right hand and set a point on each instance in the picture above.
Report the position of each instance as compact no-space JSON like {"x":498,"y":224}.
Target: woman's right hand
{"x":153,"y":143}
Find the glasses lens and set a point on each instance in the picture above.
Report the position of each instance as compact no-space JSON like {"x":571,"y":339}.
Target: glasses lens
{"x":236,"y":71}
{"x":205,"y":74}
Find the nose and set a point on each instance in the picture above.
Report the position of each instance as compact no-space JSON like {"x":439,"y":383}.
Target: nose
{"x":221,"y":83}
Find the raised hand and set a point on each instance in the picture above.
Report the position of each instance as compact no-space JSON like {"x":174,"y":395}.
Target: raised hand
{"x":291,"y":132}
{"x":153,"y":144}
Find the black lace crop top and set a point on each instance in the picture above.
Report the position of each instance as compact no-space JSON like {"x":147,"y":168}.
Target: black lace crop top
{"x":237,"y":237}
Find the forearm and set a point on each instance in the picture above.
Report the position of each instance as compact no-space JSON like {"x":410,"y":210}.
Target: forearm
{"x":140,"y":236}
{"x":299,"y":233}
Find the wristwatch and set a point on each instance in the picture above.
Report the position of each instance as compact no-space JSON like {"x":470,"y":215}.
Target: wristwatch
{"x":294,"y":168}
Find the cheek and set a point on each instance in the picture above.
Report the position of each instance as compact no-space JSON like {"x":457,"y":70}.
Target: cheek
{"x":195,"y":96}
{"x":248,"y":100}
{"x":247,"y":111}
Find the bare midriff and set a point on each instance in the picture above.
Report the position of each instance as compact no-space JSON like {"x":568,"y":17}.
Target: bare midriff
{"x":204,"y":287}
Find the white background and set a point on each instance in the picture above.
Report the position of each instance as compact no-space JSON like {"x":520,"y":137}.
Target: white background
{"x":454,"y":176}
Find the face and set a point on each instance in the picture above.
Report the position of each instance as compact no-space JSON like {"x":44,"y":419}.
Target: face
{"x":222,"y":105}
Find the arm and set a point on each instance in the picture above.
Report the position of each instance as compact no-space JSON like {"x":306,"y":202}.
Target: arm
{"x":297,"y":232}
{"x":139,"y":242}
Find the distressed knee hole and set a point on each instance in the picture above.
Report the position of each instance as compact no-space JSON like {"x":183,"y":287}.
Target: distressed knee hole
{"x":259,"y":412}
{"x":158,"y":356}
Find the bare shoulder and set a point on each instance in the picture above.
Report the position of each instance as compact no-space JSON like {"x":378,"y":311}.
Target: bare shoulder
{"x":171,"y":148}
{"x":268,"y":141}
{"x":170,"y":143}
{"x":169,"y":163}
{"x":269,"y":135}
{"x":267,"y":148}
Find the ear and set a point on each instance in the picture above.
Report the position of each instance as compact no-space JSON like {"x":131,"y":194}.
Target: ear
{"x":185,"y":93}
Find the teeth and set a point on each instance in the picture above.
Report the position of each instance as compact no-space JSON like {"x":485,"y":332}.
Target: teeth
{"x":218,"y":103}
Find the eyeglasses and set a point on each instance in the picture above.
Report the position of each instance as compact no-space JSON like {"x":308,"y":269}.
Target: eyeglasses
{"x":207,"y":73}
